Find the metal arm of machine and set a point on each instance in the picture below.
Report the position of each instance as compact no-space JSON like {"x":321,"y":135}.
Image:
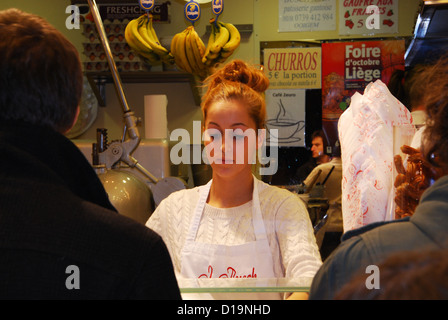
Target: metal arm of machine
{"x":122,"y":150}
{"x":126,"y":148}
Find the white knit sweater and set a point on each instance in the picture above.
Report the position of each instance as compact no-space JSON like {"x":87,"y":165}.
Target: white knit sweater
{"x":286,"y":219}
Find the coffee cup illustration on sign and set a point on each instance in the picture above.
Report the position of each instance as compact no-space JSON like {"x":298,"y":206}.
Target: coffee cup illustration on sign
{"x":287,"y":128}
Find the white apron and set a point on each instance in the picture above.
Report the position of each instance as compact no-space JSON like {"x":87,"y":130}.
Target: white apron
{"x":250,"y":260}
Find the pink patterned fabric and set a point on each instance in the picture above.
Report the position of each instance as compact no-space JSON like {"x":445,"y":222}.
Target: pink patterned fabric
{"x":366,"y":136}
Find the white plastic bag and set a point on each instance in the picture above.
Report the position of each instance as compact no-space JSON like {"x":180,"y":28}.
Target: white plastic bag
{"x":366,"y":136}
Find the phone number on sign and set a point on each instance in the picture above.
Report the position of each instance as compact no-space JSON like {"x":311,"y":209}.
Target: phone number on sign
{"x":305,"y":17}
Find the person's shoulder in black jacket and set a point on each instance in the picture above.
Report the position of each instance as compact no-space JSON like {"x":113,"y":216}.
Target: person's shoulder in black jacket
{"x":60,"y":238}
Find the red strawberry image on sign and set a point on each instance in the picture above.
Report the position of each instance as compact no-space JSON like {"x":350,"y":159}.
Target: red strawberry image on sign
{"x":347,"y":14}
{"x":89,"y":16}
{"x":349,"y":23}
{"x":388,"y":22}
{"x":390,"y":13}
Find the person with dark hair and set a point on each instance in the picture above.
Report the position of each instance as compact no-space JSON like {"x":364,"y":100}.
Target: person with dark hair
{"x":404,"y":87}
{"x":427,"y":228}
{"x":61,"y":238}
{"x":236,"y":226}
{"x":318,"y":155}
{"x":319,"y":146}
{"x":329,"y":180}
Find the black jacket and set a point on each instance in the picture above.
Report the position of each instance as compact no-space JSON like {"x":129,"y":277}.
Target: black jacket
{"x":60,"y":237}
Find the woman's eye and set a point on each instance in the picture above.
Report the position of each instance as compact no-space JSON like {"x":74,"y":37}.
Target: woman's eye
{"x":214,"y":137}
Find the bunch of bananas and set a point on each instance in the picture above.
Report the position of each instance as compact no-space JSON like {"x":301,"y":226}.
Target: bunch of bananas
{"x":188,"y":49}
{"x":224,"y":39}
{"x":142,"y":38}
{"x":191,"y":54}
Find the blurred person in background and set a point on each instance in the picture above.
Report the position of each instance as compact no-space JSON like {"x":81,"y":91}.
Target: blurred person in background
{"x":318,"y":155}
{"x":329,"y":237}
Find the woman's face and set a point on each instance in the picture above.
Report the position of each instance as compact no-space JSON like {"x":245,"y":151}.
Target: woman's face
{"x":230,"y":138}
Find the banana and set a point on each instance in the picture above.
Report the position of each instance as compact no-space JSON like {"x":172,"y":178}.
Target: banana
{"x":179,"y":51}
{"x":198,"y":48}
{"x":139,"y":34}
{"x":225,"y":54}
{"x":212,"y":55}
{"x":131,"y":39}
{"x":190,"y":51}
{"x":221,"y":37}
{"x":153,"y":32}
{"x":147,"y":32}
{"x":181,"y":47}
{"x":200,"y":45}
{"x":174,"y":50}
{"x":174,"y":42}
{"x":150,"y":59}
{"x":137,"y":46}
{"x":193,"y":56}
{"x":141,"y":43}
{"x":177,"y":61}
{"x":211,"y":40}
{"x":142,"y":29}
{"x":154,"y":42}
{"x":235,"y":37}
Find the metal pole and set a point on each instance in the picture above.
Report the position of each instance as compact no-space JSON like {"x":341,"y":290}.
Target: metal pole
{"x":130,"y":122}
{"x":112,"y":66}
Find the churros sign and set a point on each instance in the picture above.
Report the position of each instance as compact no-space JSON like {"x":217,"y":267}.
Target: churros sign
{"x":298,"y":68}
